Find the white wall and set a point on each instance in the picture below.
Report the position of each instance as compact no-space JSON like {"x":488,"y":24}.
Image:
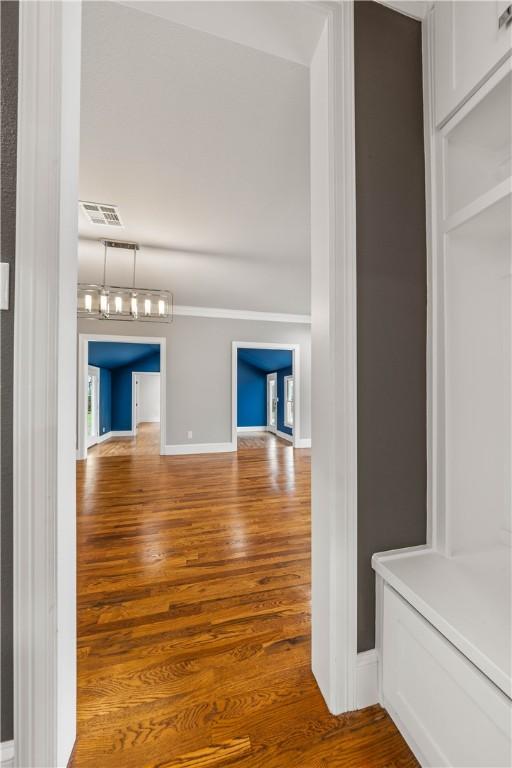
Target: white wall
{"x":148,"y":397}
{"x":198,"y":376}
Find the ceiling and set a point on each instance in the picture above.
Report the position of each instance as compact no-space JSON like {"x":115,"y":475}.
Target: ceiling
{"x":267,"y":360}
{"x":112,"y":354}
{"x":287,"y":29}
{"x":204,"y":145}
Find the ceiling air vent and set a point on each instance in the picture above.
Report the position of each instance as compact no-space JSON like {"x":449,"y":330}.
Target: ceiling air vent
{"x":99,"y":213}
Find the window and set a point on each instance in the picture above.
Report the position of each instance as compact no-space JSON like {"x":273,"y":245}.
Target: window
{"x":289,"y":401}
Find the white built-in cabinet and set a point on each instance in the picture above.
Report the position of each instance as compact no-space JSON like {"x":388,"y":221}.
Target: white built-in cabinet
{"x":470,"y":41}
{"x":444,"y":611}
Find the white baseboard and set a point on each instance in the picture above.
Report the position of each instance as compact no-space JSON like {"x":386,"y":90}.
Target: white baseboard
{"x":122,"y":433}
{"x":116,"y":433}
{"x":367,"y":679}
{"x":303,"y":442}
{"x":154,"y":420}
{"x":7,"y":754}
{"x":284,"y":436}
{"x":251,"y":429}
{"x":188,"y":448}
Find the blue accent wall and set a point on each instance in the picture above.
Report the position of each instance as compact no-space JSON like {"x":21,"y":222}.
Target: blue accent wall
{"x":251,"y":396}
{"x":116,"y":354}
{"x":122,"y":390}
{"x":117,"y":361}
{"x":253,"y":365}
{"x":268,"y":360}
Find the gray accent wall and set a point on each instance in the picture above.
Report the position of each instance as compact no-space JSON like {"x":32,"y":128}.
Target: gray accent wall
{"x":391,"y":293}
{"x":8,"y":125}
{"x":199,"y":369}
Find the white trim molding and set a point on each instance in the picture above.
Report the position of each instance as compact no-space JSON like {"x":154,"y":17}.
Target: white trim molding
{"x":284,"y":435}
{"x":295,"y":350}
{"x":44,"y":383}
{"x":182,"y":449}
{"x":303,"y":442}
{"x":367,"y":682}
{"x":241,"y":314}
{"x":116,"y":433}
{"x":251,"y":429}
{"x":7,"y":754}
{"x":334,"y":361}
{"x":83,"y":362}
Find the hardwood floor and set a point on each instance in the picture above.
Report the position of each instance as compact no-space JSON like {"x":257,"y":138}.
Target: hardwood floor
{"x":147,"y":441}
{"x":260,"y":440}
{"x":194,"y":623}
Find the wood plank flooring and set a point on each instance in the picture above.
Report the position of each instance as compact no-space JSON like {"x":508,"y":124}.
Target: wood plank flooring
{"x":147,"y":441}
{"x":194,"y":619}
{"x":260,"y":440}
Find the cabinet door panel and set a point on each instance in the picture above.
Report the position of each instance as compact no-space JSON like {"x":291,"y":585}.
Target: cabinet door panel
{"x":450,"y":713}
{"x":469,"y":45}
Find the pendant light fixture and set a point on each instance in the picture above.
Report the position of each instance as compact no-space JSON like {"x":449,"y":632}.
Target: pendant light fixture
{"x":108,"y":302}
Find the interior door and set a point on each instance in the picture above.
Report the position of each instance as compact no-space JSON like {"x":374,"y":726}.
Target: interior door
{"x":272,"y":402}
{"x":93,"y":405}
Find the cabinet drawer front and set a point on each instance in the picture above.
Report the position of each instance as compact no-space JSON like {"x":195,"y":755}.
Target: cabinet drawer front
{"x":453,"y":713}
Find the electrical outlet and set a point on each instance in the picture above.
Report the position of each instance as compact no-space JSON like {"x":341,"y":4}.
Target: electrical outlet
{"x":104,"y":429}
{"x":189,"y":434}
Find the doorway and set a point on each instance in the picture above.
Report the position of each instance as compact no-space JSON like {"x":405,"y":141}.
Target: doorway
{"x":45,"y":263}
{"x":145,"y":398}
{"x":262,"y":398}
{"x":121,"y":395}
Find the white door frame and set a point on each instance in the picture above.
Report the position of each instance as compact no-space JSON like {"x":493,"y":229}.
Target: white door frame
{"x":295,"y":350}
{"x":83,"y":364}
{"x":135,"y":376}
{"x":286,"y":379}
{"x":270,"y":376}
{"x":96,"y":403}
{"x":45,"y":343}
{"x":135,"y":402}
{"x":44,"y":433}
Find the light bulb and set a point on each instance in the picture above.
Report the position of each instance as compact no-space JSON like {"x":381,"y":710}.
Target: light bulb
{"x":88,"y":302}
{"x":147,"y":306}
{"x":134,"y":306}
{"x":161,"y":307}
{"x":119,"y":304}
{"x":103,"y":302}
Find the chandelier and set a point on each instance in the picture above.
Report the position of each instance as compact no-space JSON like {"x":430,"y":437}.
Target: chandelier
{"x":109,"y":302}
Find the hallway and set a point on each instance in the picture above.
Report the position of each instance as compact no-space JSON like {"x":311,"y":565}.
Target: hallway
{"x":193,"y":619}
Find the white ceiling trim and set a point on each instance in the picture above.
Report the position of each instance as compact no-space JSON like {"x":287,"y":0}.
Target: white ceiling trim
{"x":240,"y":314}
